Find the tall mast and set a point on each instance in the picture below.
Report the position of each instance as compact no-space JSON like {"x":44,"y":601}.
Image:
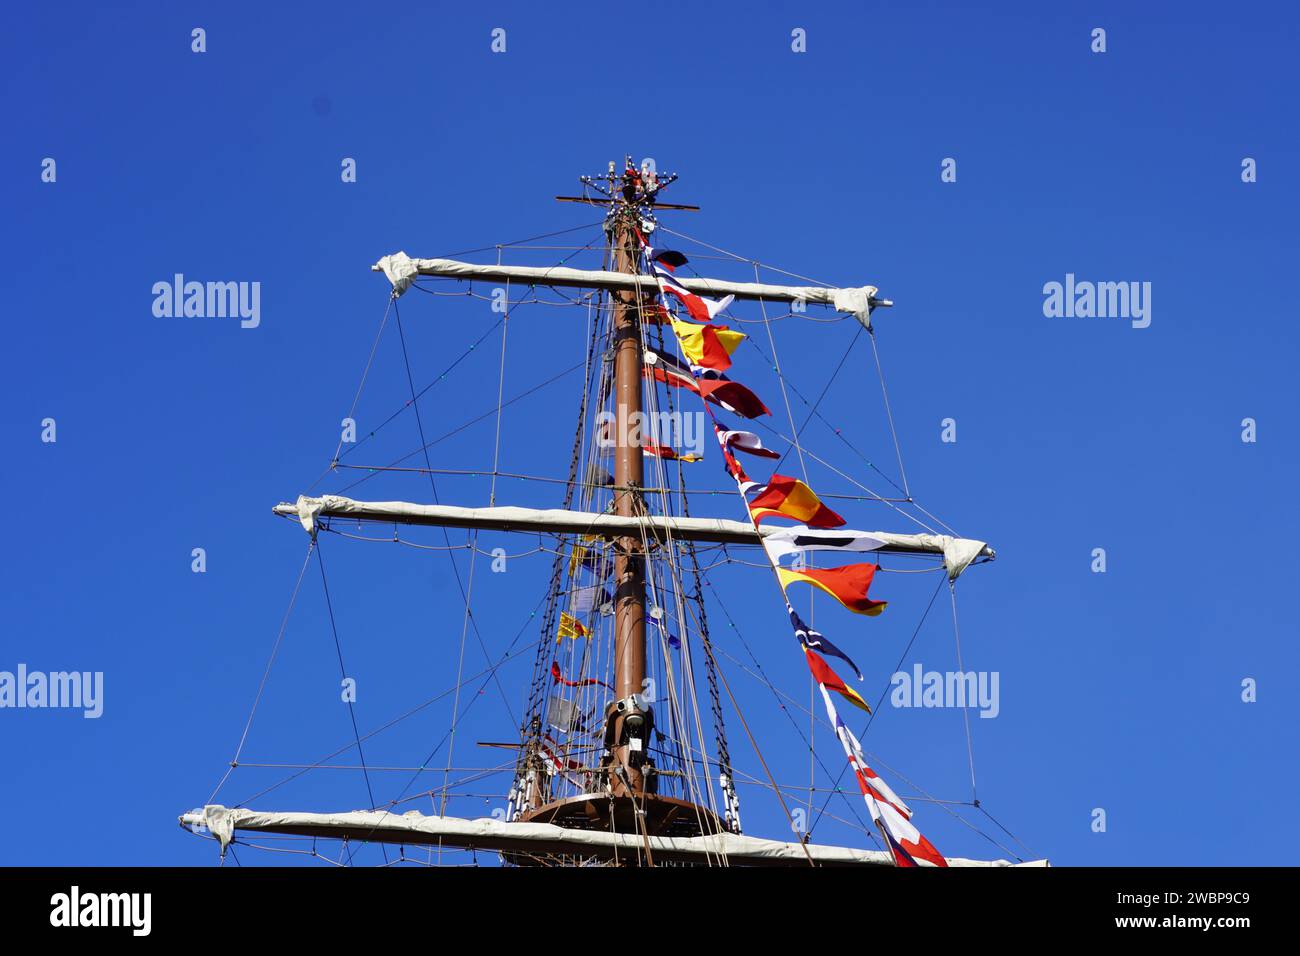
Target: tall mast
{"x":627,"y":727}
{"x":562,"y":810}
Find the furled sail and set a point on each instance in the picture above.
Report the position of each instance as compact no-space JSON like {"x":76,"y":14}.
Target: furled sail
{"x":402,"y":270}
{"x":414,"y":828}
{"x":958,"y":553}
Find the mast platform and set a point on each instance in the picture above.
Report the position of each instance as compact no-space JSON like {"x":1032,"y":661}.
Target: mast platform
{"x":648,"y":815}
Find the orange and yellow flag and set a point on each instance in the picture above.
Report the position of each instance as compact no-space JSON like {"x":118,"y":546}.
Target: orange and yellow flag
{"x":848,"y":585}
{"x":791,"y":498}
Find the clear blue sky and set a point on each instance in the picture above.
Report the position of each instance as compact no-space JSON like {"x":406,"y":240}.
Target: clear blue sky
{"x":1118,"y":690}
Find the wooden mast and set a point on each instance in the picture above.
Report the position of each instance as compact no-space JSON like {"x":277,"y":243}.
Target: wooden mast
{"x":628,"y":802}
{"x":629,"y":561}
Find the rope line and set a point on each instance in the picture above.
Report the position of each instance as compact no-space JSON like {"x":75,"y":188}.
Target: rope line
{"x":261,"y":687}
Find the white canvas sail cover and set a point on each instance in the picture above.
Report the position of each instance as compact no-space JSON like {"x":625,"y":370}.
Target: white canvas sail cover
{"x":402,"y":270}
{"x":957,"y":553}
{"x":491,"y":834}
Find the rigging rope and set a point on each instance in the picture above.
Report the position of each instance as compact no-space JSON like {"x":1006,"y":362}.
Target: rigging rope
{"x":530,"y":730}
{"x":965,"y":711}
{"x":261,"y":687}
{"x":889,"y":413}
{"x":408,"y":404}
{"x":343,"y":672}
{"x":455,"y":431}
{"x":486,"y":672}
{"x":798,"y":433}
{"x":365,"y":373}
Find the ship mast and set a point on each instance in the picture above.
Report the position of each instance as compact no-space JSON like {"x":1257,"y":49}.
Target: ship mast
{"x":619,"y":814}
{"x":624,"y":795}
{"x":629,"y":719}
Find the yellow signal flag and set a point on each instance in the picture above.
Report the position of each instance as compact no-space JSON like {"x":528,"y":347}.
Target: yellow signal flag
{"x":570,"y":627}
{"x":709,"y":346}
